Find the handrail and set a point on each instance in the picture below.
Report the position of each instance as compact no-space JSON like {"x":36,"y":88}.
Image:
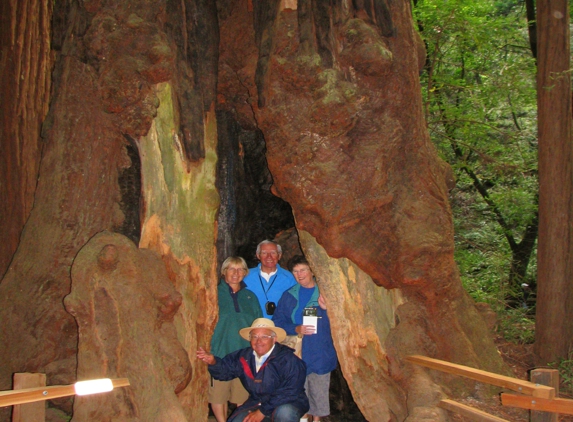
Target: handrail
{"x":29,"y":395}
{"x":468,"y":412}
{"x":520,"y":386}
{"x":534,"y":396}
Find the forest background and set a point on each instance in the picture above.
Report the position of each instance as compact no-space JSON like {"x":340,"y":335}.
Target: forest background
{"x":480,"y":103}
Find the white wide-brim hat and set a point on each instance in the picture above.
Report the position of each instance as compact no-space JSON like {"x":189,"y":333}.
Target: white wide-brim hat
{"x":263,"y":323}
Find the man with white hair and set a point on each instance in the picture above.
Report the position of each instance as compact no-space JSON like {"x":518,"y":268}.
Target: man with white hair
{"x":268,"y":281}
{"x":273,"y":376}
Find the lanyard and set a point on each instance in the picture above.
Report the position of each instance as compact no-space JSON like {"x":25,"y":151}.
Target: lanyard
{"x":272,"y":281}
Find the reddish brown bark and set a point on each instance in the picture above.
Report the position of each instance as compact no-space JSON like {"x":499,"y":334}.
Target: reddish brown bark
{"x":334,"y":88}
{"x":77,"y":194}
{"x":339,"y":104}
{"x":554,"y":316}
{"x":25,"y":72}
{"x":73,"y":202}
{"x":134,"y":339}
{"x":112,"y":57}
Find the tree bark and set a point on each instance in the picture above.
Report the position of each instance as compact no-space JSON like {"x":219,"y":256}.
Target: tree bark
{"x":338,"y":99}
{"x":112,"y":60}
{"x":554,"y":322}
{"x":25,"y":71}
{"x":347,"y":147}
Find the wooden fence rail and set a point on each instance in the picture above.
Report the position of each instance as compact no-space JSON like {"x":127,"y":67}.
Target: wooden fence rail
{"x":534,"y":396}
{"x":30,"y":390}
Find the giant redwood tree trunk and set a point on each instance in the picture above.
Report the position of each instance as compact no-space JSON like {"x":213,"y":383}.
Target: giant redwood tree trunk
{"x":131,"y":143}
{"x":339,"y":104}
{"x":115,"y":71}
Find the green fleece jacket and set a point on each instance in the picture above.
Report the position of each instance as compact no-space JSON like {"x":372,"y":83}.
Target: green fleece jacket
{"x":236,"y":311}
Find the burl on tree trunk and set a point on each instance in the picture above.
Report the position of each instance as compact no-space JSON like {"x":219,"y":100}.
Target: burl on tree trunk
{"x":124,"y":304}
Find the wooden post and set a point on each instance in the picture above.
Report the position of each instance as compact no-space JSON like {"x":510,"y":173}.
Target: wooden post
{"x":549,"y":377}
{"x":29,"y":412}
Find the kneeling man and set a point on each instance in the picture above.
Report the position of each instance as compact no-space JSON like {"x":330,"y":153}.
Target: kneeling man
{"x":269,"y":371}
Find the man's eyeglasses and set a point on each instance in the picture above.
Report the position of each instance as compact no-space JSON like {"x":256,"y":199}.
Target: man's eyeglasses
{"x":262,"y":337}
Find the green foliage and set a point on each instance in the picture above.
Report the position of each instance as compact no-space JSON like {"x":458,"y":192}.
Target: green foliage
{"x":517,"y":325}
{"x":480,"y":104}
{"x":481,"y":253}
{"x":565,"y":368}
{"x":479,"y":95}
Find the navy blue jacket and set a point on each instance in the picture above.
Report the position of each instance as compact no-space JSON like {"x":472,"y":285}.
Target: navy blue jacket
{"x":279,"y":381}
{"x":317,"y":349}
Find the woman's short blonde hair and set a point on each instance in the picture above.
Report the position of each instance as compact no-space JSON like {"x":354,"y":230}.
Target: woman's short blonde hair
{"x":234,"y":260}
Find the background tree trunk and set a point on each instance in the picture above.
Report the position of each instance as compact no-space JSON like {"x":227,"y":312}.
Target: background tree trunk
{"x":554,"y":318}
{"x":25,"y":71}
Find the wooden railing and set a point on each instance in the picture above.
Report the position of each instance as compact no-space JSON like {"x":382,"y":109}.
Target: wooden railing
{"x":539,"y":396}
{"x":30,"y":392}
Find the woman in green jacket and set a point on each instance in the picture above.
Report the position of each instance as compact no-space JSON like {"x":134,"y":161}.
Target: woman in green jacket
{"x":238,"y":308}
